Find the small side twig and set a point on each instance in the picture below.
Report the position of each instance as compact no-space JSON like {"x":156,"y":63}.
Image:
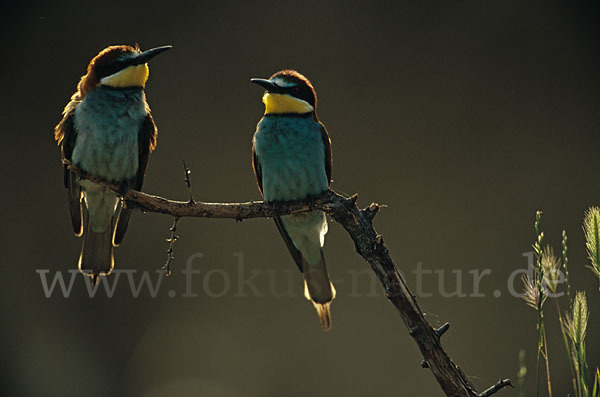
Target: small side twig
{"x":502,"y":383}
{"x":188,"y":182}
{"x":442,"y":330}
{"x":171,"y":250}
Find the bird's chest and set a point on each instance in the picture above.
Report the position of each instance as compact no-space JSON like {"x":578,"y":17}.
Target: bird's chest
{"x":107,"y":128}
{"x":292,"y":159}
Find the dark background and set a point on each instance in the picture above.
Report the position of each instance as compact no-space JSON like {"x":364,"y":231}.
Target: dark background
{"x":463,"y":117}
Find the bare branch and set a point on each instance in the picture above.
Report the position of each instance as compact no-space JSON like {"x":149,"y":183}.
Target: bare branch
{"x":358,"y":223}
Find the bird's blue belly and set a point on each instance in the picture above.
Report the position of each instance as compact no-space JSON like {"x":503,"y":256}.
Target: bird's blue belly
{"x":107,"y":126}
{"x":292,"y":158}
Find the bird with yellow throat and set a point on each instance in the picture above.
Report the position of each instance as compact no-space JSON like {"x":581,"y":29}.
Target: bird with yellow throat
{"x":291,"y":157}
{"x":107,"y":132}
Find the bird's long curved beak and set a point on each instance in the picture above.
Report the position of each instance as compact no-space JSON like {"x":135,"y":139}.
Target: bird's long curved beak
{"x":145,"y":56}
{"x":267,"y":85}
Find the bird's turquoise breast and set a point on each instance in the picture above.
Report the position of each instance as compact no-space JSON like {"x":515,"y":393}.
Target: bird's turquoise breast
{"x":107,"y":123}
{"x":292,"y":157}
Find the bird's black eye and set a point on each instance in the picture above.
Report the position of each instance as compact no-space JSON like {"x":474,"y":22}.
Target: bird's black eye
{"x":295,"y":90}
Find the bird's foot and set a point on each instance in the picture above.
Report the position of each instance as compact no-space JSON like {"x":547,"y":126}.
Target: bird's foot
{"x":311,"y":200}
{"x":277,"y":207}
{"x":80,"y":174}
{"x":123,"y":188}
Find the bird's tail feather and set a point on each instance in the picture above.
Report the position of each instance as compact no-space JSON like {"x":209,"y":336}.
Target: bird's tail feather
{"x":323,"y":309}
{"x":96,"y":257}
{"x":121,"y":228}
{"x":319,"y":290}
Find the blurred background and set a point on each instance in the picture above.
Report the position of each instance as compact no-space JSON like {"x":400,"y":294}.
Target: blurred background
{"x":464,"y":118}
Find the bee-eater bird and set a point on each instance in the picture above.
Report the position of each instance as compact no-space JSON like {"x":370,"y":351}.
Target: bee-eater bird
{"x":291,"y":158}
{"x":108,"y":132}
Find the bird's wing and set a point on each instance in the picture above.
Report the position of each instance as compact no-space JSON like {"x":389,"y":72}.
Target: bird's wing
{"x":65,"y":136}
{"x":257,"y":170}
{"x":146,"y":144}
{"x":328,"y":155}
{"x":296,"y":254}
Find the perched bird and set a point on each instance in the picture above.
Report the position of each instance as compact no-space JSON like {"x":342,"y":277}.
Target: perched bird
{"x":107,"y":131}
{"x":291,"y":158}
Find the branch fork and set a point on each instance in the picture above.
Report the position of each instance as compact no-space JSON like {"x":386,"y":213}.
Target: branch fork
{"x":369,"y":244}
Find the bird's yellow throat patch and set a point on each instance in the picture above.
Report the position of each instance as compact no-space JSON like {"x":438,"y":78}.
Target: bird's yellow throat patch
{"x":132,"y":76}
{"x":281,"y":103}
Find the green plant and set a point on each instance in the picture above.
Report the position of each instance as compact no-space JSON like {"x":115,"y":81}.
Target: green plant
{"x":576,"y":327}
{"x":545,"y":282}
{"x":591,"y":227}
{"x":535,"y":297}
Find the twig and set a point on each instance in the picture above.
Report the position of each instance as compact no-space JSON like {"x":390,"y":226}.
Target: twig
{"x":359,"y":225}
{"x":442,"y":330}
{"x":188,"y":181}
{"x":502,"y":383}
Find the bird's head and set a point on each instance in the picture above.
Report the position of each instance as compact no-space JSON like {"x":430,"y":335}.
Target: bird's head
{"x":288,"y":92}
{"x":118,"y":66}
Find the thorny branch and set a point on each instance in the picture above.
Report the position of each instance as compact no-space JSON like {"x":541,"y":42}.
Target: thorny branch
{"x":171,"y":250}
{"x":359,"y":225}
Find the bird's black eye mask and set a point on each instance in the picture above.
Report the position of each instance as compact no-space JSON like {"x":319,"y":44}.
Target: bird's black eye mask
{"x":113,"y":67}
{"x":299,"y":91}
